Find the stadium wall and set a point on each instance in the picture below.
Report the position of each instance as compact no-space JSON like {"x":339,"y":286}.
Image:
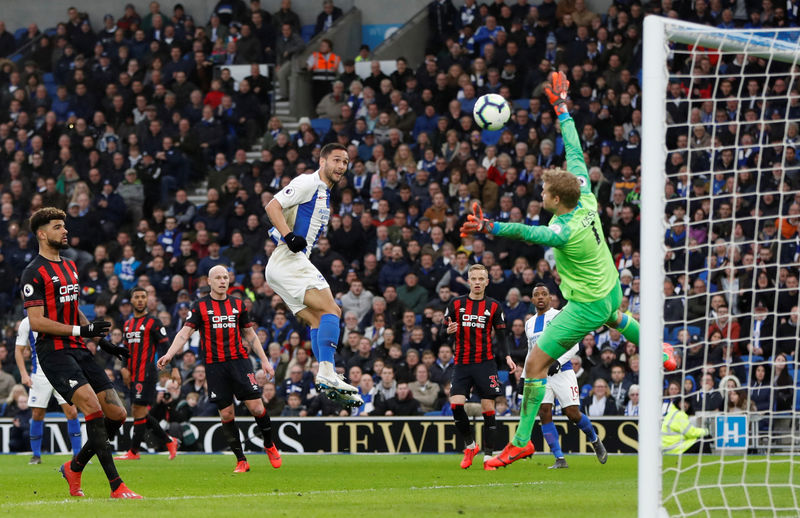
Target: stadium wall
{"x":360,"y":435}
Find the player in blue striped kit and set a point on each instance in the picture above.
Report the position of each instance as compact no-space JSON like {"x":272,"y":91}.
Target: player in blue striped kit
{"x":561,"y":384}
{"x":39,"y":394}
{"x":300,"y":212}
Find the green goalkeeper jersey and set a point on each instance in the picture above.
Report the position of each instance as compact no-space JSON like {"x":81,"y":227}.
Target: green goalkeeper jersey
{"x":583,"y":259}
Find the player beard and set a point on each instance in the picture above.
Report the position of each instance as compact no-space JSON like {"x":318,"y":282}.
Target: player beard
{"x":57,"y":245}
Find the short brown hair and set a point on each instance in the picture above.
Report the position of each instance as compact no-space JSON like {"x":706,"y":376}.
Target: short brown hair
{"x":563,"y":184}
{"x":475,"y":267}
{"x":44,"y":216}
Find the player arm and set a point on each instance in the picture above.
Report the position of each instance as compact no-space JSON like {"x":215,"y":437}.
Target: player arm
{"x":177,"y":345}
{"x":42,"y":324}
{"x":251,"y":339}
{"x":20,"y":359}
{"x":275,"y":213}
{"x":541,"y":235}
{"x":574,"y":151}
{"x":82,"y":318}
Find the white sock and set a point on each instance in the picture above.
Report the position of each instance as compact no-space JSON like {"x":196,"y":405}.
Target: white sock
{"x":471,"y":445}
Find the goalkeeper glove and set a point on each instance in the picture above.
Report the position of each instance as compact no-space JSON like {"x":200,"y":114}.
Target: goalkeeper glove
{"x":96,"y":328}
{"x":120,"y":352}
{"x":554,"y":368}
{"x":476,"y":222}
{"x":294,"y":242}
{"x":556,"y":91}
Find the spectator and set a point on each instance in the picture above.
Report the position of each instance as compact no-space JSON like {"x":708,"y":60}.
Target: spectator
{"x":19,"y":435}
{"x":288,"y":44}
{"x":401,"y":404}
{"x":425,"y":391}
{"x":324,"y":65}
{"x":599,"y":402}
{"x":330,"y":13}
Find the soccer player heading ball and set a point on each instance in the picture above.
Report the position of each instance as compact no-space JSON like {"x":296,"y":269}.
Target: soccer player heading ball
{"x":300,"y":212}
{"x":589,"y":280}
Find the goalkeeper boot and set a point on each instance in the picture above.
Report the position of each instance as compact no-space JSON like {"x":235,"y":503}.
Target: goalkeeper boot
{"x":559,"y":464}
{"x":73,"y":478}
{"x":600,"y":451}
{"x":511,"y":454}
{"x":128,"y":455}
{"x":469,"y":454}
{"x":123,"y":492}
{"x":328,"y":380}
{"x":172,"y":447}
{"x":242,"y":467}
{"x":274,"y":456}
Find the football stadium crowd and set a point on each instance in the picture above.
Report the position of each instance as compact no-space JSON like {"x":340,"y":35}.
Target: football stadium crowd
{"x":118,"y":121}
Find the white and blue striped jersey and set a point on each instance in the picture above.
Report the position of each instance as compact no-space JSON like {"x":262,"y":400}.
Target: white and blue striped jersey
{"x":306,"y":207}
{"x":534,"y":328}
{"x":25,"y":336}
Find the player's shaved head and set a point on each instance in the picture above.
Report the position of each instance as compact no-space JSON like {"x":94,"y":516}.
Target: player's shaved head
{"x":218,"y":280}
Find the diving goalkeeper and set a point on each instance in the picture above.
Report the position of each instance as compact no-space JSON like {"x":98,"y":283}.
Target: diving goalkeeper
{"x":589,"y":279}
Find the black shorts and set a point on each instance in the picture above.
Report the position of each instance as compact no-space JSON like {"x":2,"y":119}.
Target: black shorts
{"x":482,"y":376}
{"x":144,"y":392}
{"x":229,"y":379}
{"x":69,"y":369}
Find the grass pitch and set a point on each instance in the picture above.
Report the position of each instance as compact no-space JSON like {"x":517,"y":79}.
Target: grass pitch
{"x":307,"y":486}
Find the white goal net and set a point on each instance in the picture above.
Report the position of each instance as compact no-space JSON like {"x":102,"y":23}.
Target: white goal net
{"x":720,"y":255}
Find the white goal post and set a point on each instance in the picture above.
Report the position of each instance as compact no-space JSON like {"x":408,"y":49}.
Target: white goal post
{"x":662,"y":36}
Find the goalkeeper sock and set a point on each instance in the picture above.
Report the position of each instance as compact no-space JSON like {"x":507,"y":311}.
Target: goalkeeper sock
{"x":550,"y":433}
{"x":462,"y":424}
{"x":328,"y":337}
{"x":265,"y":425}
{"x":315,"y":343}
{"x":159,"y":432}
{"x":586,"y":426}
{"x":489,"y":432}
{"x":37,"y":430}
{"x":139,"y":428}
{"x":74,"y":430}
{"x":629,"y":328}
{"x":231,"y":432}
{"x":532,"y":397}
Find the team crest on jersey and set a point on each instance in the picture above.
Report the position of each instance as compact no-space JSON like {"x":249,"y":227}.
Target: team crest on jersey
{"x":487,"y":312}
{"x":55,"y":278}
{"x":141,"y":328}
{"x":235,"y":311}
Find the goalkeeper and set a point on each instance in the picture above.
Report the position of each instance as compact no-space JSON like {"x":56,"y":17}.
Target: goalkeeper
{"x":589,"y":279}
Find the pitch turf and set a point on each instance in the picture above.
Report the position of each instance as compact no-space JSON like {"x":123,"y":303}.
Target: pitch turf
{"x":307,"y":486}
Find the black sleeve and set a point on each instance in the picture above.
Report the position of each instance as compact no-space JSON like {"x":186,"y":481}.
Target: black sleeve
{"x":449,"y":313}
{"x":499,"y":324}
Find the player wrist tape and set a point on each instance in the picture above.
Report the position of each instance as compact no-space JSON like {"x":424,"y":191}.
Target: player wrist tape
{"x":76,"y":330}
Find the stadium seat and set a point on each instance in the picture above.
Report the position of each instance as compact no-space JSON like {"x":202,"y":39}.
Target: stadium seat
{"x":88,"y":310}
{"x":321,"y":126}
{"x":51,"y":31}
{"x":20,"y":33}
{"x":307,"y":32}
{"x":585,"y":390}
{"x":48,"y":77}
{"x":517,"y":104}
{"x":502,"y":377}
{"x":490,"y":138}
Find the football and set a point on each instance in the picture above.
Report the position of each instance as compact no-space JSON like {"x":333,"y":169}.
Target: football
{"x":491,"y":112}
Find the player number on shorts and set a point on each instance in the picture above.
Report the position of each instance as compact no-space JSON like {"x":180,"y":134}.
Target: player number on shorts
{"x":575,"y":391}
{"x":493,"y":383}
{"x":252,"y":378}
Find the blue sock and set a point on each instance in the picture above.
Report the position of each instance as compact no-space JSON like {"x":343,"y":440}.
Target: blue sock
{"x":74,"y":430}
{"x":586,"y":425}
{"x":328,"y":336}
{"x":37,"y":430}
{"x":550,"y":433}
{"x":315,"y":343}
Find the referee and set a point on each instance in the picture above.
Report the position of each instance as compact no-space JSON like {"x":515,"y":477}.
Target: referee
{"x":471,"y":319}
{"x":50,"y":292}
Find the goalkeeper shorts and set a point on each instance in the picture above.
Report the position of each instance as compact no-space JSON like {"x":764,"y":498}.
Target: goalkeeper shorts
{"x":576,"y":320}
